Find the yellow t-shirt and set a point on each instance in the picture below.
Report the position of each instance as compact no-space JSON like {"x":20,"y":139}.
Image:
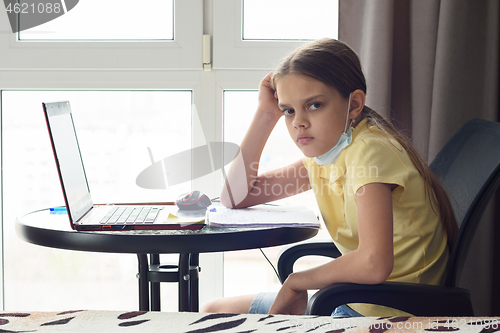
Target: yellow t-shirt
{"x":420,"y":242}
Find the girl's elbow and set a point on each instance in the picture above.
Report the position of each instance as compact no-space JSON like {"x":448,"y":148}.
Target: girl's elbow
{"x":225,"y":201}
{"x":234,"y":197}
{"x":228,"y":202}
{"x":379,"y":270}
{"x":381,"y":275}
{"x":226,"y":198}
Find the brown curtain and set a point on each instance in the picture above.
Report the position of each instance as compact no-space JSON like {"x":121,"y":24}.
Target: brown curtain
{"x":431,"y":65}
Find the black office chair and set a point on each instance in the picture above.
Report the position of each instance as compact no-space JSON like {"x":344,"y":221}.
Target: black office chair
{"x":469,"y":167}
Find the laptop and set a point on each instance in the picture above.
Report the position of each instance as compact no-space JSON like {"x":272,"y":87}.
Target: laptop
{"x":82,"y":213}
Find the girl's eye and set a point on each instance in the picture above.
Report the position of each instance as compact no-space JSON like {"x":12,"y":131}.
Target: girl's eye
{"x":315,"y":106}
{"x":288,"y":112}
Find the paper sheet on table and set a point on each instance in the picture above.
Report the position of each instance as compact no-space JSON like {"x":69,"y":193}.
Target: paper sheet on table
{"x":262,"y":215}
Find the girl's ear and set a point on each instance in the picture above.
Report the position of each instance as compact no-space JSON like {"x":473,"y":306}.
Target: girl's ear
{"x":358,"y":98}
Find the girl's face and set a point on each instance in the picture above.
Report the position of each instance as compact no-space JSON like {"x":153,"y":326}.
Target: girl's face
{"x":315,"y":114}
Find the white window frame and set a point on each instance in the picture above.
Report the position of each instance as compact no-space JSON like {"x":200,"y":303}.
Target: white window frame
{"x":184,"y":52}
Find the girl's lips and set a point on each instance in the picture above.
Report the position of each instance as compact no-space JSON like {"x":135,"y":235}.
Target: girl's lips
{"x":304,"y":139}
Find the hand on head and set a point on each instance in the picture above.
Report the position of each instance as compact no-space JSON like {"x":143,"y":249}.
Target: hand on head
{"x":268,"y":98}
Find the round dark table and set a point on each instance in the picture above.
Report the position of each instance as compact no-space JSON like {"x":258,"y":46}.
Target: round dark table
{"x":53,"y":230}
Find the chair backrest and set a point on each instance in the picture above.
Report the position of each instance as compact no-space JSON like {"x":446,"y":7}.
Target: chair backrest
{"x":469,"y":168}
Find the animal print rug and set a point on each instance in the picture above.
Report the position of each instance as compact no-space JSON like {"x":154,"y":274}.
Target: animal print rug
{"x":140,"y":321}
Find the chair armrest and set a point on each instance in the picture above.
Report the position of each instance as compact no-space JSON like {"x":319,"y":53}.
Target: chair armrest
{"x":417,"y":299}
{"x":290,"y":254}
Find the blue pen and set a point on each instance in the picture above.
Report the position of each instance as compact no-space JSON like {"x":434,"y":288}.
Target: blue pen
{"x":58,"y":209}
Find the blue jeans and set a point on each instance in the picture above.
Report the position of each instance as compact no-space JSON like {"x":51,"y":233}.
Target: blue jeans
{"x":263,"y":301}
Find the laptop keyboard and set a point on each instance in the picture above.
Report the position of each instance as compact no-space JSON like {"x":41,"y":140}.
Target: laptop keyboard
{"x":131,"y":215}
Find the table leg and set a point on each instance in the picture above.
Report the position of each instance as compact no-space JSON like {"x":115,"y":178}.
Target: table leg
{"x":194,"y":282}
{"x":187,"y":278}
{"x":184,"y":282}
{"x":155,"y":286}
{"x":143,"y":282}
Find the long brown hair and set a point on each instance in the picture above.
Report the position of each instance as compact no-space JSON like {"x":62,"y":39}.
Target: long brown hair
{"x":335,"y":64}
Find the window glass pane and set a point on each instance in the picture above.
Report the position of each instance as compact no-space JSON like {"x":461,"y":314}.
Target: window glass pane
{"x":114,"y":129}
{"x":289,"y":19}
{"x":239,"y":109}
{"x":104,"y":20}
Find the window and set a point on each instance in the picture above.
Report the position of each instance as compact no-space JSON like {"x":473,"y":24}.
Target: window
{"x":89,"y":20}
{"x":256,"y":34}
{"x":116,"y":81}
{"x":31,"y":50}
{"x":289,"y":19}
{"x":113,"y":138}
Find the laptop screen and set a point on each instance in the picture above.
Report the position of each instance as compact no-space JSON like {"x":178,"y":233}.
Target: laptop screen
{"x":68,"y":159}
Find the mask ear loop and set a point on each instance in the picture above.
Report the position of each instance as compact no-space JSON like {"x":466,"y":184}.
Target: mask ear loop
{"x":347,"y":119}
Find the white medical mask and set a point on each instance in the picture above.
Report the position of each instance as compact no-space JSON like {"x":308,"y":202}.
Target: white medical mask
{"x":345,"y":139}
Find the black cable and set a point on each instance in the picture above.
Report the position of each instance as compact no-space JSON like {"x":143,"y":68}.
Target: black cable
{"x":270,"y":263}
{"x":217,"y":199}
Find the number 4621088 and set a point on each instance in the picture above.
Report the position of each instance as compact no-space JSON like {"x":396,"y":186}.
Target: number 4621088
{"x":40,"y":8}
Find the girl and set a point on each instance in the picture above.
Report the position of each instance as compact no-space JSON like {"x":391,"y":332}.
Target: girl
{"x":383,"y":207}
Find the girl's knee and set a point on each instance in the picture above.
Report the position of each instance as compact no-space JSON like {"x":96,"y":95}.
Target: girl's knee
{"x":239,"y":304}
{"x":213,"y":306}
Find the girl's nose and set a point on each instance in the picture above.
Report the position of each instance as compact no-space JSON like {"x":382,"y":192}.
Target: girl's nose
{"x":300,"y":122}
